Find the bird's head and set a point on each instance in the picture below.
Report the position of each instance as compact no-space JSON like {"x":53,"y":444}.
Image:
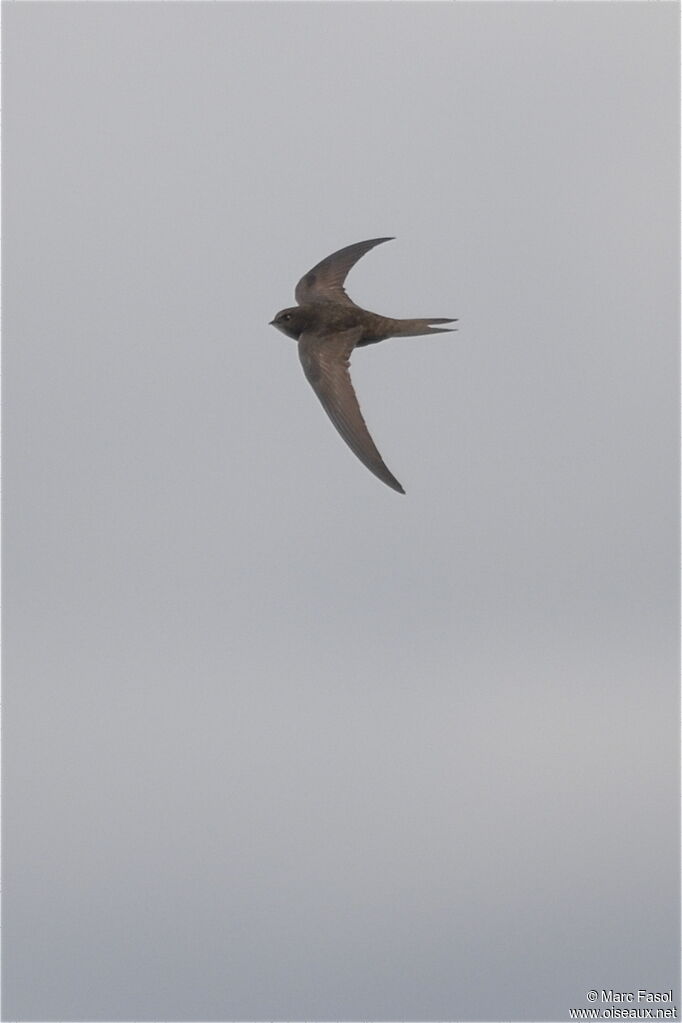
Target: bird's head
{"x":291,"y":322}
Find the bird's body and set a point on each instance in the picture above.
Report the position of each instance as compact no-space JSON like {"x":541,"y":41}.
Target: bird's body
{"x":325,"y":318}
{"x":328,"y":326}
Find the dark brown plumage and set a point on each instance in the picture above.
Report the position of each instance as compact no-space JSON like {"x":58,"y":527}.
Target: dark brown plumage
{"x":328,"y":325}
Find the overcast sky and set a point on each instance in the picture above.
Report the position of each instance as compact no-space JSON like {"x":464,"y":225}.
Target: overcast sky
{"x":280,"y":742}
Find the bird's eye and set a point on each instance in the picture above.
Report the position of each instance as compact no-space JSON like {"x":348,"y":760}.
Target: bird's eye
{"x":287,"y":316}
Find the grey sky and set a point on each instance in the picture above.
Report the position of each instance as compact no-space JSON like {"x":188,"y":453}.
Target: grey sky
{"x":280,"y":743}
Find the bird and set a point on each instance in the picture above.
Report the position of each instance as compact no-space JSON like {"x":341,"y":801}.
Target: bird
{"x":328,"y":326}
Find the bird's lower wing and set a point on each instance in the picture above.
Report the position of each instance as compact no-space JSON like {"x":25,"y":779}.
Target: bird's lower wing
{"x":326,"y":362}
{"x":324,"y":283}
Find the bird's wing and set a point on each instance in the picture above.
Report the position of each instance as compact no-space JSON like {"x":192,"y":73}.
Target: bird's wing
{"x":324,"y":283}
{"x":326,"y":362}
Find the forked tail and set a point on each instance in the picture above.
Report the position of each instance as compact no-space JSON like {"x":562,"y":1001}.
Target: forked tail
{"x":413,"y":328}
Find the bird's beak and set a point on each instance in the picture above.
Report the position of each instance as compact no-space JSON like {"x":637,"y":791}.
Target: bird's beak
{"x":271,"y":323}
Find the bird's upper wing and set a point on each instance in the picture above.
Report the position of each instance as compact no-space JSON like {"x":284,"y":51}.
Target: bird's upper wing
{"x":326,"y":362}
{"x":324,"y":282}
